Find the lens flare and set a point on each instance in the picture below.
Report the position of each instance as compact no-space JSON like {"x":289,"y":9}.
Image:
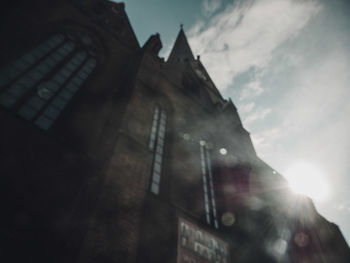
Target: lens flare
{"x":223,"y":151}
{"x":306,"y":179}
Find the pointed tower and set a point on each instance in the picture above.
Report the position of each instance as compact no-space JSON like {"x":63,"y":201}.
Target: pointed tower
{"x":181,"y":51}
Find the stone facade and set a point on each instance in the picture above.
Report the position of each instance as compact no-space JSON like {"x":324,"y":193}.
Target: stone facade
{"x":111,"y":154}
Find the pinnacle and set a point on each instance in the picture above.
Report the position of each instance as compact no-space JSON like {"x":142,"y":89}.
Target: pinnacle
{"x":181,"y":51}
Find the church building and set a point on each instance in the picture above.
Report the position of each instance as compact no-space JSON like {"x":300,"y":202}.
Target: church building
{"x":109,"y":153}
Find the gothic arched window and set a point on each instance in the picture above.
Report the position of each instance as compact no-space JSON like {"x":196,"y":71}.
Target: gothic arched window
{"x":208,"y":185}
{"x":39,"y":85}
{"x":156,"y":145}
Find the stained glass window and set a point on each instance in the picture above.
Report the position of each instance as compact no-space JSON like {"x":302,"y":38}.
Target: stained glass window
{"x":40,"y":84}
{"x":208,"y":185}
{"x":156,"y":145}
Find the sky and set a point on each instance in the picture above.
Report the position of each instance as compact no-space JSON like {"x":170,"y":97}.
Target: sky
{"x":286,"y":66}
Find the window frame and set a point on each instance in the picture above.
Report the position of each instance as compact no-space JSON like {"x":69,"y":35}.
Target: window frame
{"x":50,"y":76}
{"x":156,"y":146}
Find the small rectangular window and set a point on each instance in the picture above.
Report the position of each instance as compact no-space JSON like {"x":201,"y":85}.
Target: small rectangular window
{"x":65,"y":72}
{"x":216,"y":224}
{"x":157,"y":167}
{"x":159,"y":149}
{"x":156,"y":177}
{"x":65,"y":94}
{"x":59,"y":102}
{"x":161,"y":135}
{"x":44,"y":122}
{"x":82,"y":75}
{"x":72,"y":87}
{"x":52,"y":86}
{"x":27,"y":112}
{"x":51,"y":112}
{"x":70,"y":67}
{"x":50,"y":62}
{"x":160,"y":141}
{"x":16,"y":90}
{"x":59,"y":79}
{"x":158,"y":158}
{"x":36,"y":102}
{"x":42,"y":68}
{"x":78,"y":81}
{"x":155,"y":188}
{"x":208,"y":218}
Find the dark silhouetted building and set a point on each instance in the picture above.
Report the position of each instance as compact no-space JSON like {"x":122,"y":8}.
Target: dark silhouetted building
{"x":110,"y":154}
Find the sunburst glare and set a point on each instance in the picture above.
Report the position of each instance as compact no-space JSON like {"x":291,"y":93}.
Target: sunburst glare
{"x":306,"y":179}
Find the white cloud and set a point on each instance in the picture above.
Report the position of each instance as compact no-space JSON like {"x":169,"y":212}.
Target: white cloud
{"x":314,"y":122}
{"x":246,"y":33}
{"x":246,"y":108}
{"x":267,"y":141}
{"x":321,"y":110}
{"x":210,"y":6}
{"x":309,"y":118}
{"x":251,"y":90}
{"x":257,"y":115}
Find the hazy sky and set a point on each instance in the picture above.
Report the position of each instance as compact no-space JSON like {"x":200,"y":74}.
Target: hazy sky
{"x":286,"y":66}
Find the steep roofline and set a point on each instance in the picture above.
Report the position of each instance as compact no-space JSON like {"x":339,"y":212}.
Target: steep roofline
{"x":181,"y":50}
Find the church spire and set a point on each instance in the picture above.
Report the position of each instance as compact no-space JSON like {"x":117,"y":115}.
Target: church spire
{"x":181,"y":50}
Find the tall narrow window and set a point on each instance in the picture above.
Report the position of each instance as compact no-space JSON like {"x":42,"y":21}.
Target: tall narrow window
{"x":208,"y":185}
{"x":205,"y":184}
{"x":44,"y":80}
{"x":213,"y":202}
{"x":152,"y":140}
{"x":156,"y":145}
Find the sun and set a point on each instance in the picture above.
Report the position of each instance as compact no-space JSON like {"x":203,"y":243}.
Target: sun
{"x":306,"y":179}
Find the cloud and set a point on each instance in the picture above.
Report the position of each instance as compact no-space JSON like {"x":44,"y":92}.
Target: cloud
{"x":321,"y":111}
{"x":297,"y":91}
{"x":267,"y":142}
{"x":246,"y":33}
{"x":246,"y":108}
{"x":210,"y":6}
{"x":318,"y":97}
{"x":251,"y":90}
{"x":262,"y":137}
{"x":257,"y":115}
{"x":313,"y":124}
